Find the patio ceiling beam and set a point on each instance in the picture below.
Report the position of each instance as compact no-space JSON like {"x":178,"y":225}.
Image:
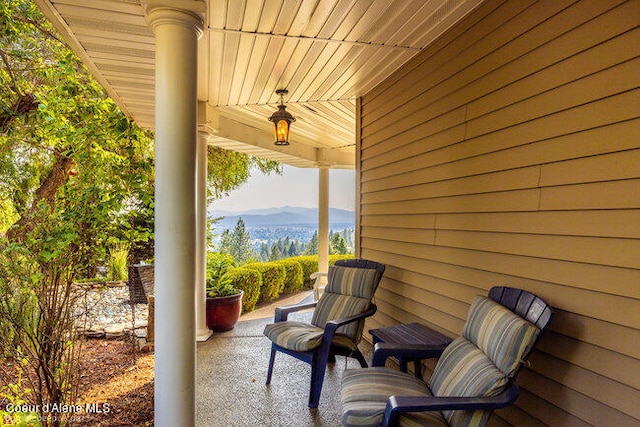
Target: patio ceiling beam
{"x":214,"y":125}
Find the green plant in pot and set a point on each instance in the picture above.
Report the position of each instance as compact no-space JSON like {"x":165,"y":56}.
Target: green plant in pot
{"x":219,"y":290}
{"x":224,"y":304}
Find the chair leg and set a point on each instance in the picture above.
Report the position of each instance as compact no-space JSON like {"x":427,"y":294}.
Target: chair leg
{"x":318,"y":367}
{"x":270,"y":370}
{"x":360,"y":358}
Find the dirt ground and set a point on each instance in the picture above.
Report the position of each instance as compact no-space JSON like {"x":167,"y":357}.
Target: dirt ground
{"x":115,"y":386}
{"x":117,"y":381}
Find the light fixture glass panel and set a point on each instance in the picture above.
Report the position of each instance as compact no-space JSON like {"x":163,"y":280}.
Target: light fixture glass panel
{"x":283,"y":131}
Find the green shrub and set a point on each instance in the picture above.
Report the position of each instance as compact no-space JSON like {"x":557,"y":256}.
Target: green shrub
{"x":294,"y":281}
{"x":117,"y":268}
{"x":250,"y":281}
{"x":309,"y":264}
{"x":16,"y":394}
{"x":273,"y":276}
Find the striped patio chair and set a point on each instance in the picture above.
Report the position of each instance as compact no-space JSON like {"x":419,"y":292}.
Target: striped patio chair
{"x":474,"y":374}
{"x":336,"y":325}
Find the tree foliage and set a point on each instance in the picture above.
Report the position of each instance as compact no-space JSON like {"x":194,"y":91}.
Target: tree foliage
{"x":228,"y":170}
{"x":237,"y":243}
{"x":275,"y":254}
{"x":72,"y":145}
{"x":337,"y":244}
{"x":312,"y":246}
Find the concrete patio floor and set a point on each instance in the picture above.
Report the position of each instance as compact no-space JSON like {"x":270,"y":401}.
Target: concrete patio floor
{"x":231,"y":375}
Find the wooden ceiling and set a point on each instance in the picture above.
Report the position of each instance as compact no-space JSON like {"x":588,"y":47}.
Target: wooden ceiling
{"x":326,"y":53}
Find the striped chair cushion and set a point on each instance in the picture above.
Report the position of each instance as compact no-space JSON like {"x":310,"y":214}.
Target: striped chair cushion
{"x":502,"y":335}
{"x":479,"y":363}
{"x":357,"y":282}
{"x":301,"y":336}
{"x":365,"y":393}
{"x":348,"y":292}
{"x":464,"y":370}
{"x":335,"y":306}
{"x":422,"y":419}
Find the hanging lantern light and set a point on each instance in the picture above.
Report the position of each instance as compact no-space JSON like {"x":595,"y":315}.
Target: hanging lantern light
{"x":281,"y":119}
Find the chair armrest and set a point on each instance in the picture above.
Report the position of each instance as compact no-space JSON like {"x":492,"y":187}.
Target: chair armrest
{"x":282,"y":313}
{"x":340,"y":322}
{"x":382,"y":351}
{"x":397,"y":405}
{"x":331,"y":326}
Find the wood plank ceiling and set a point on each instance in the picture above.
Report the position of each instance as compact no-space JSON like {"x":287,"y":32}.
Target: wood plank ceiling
{"x":326,"y":53}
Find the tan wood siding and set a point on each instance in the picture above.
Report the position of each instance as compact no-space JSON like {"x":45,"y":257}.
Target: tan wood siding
{"x":508,"y":153}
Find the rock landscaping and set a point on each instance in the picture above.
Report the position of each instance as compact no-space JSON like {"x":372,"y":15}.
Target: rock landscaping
{"x":104,"y":311}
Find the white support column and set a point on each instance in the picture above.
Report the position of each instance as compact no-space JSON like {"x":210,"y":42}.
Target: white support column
{"x":202,"y":332}
{"x":177,"y":32}
{"x":323,"y":218}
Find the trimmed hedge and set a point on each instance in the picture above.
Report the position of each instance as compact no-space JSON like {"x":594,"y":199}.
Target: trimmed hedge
{"x":294,"y":281}
{"x":273,"y":276}
{"x":266,"y":281}
{"x":250,"y":281}
{"x":309,"y":264}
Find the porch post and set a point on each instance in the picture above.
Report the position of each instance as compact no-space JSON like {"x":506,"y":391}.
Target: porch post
{"x":177,"y":32}
{"x":323,"y":218}
{"x":202,"y":332}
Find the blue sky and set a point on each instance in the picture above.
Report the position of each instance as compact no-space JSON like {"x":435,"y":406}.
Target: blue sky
{"x":295,"y":187}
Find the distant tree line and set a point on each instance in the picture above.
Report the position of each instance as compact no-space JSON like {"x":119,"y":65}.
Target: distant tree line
{"x":237,"y":243}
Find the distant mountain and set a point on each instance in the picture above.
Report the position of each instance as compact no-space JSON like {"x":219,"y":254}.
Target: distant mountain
{"x":283,"y":216}
{"x":263,"y":211}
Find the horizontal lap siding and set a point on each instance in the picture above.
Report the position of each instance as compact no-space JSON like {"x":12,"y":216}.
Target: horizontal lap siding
{"x":508,"y":153}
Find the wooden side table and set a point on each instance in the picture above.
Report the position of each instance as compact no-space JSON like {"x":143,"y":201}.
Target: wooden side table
{"x":412,"y":333}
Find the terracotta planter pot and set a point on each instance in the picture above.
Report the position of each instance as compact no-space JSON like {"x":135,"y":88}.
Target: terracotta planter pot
{"x":223,"y":312}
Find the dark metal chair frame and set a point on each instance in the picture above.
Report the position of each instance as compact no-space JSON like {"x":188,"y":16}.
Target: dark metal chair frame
{"x":325,"y":353}
{"x":522,"y":303}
